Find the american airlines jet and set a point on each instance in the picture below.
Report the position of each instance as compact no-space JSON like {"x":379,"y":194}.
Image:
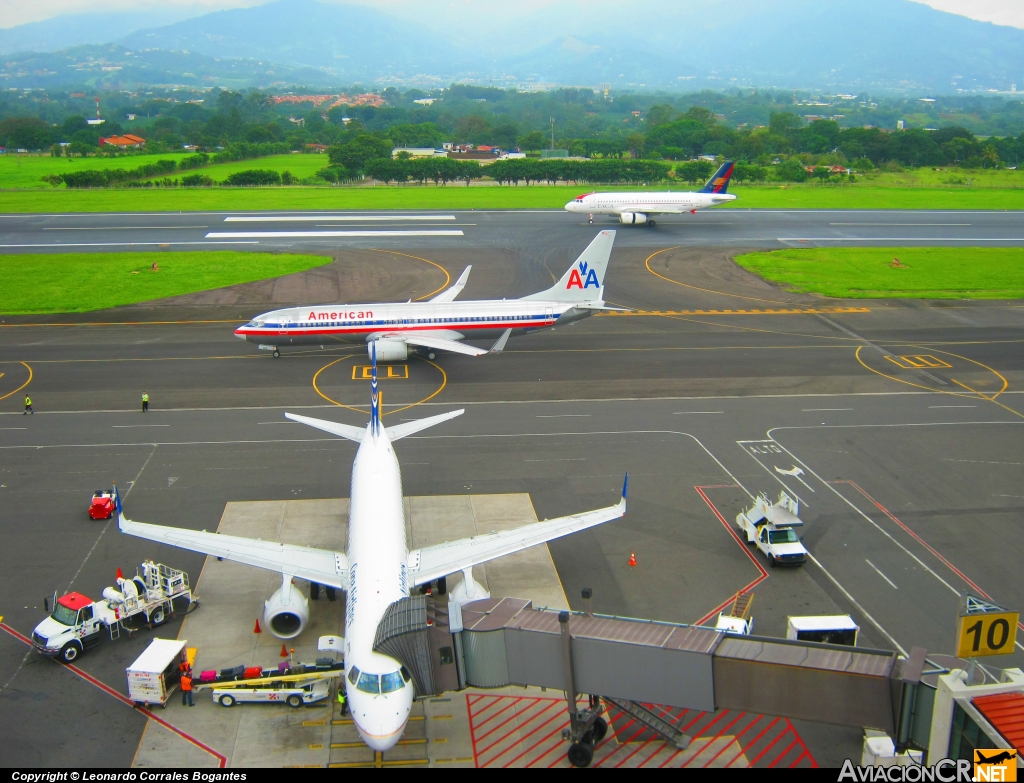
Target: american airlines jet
{"x":638,"y":208}
{"x":377,"y":568}
{"x":394,"y":330}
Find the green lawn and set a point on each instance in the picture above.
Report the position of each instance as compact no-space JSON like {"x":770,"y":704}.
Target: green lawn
{"x":300,"y":165}
{"x":868,"y":273}
{"x":478,"y":197}
{"x":25,"y":171}
{"x":79,"y":282}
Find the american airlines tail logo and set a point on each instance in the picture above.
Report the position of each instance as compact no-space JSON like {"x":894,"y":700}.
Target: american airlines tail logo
{"x":583,"y":278}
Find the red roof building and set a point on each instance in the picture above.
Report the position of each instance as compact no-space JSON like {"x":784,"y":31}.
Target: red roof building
{"x":128,"y":140}
{"x":1005,"y":711}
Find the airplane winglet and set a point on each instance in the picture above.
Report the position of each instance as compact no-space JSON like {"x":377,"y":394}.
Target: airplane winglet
{"x":625,"y":487}
{"x":499,"y":346}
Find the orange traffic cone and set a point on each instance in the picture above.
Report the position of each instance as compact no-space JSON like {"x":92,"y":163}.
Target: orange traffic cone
{"x":632,"y":558}
{"x":119,"y":574}
{"x":284,"y":651}
{"x":257,"y":629}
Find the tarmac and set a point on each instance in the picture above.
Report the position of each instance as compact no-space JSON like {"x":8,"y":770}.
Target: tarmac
{"x":903,"y":418}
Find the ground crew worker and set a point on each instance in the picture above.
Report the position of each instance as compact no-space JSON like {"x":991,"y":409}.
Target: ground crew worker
{"x":28,"y":406}
{"x":145,"y":402}
{"x":341,"y":699}
{"x":186,"y":689}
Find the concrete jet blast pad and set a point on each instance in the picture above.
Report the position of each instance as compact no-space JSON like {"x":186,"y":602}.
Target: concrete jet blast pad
{"x":232,"y":601}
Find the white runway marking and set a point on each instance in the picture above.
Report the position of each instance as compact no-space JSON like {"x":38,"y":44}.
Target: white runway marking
{"x":327,"y":234}
{"x":314,"y":218}
{"x":877,"y":571}
{"x":566,"y":416}
{"x":118,"y":228}
{"x":818,"y":410}
{"x":126,"y":426}
{"x":127,"y":244}
{"x":952,"y":406}
{"x":904,"y":225}
{"x":694,"y":413}
{"x":13,"y":428}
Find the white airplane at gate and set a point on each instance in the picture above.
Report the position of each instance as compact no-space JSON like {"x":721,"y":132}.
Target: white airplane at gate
{"x":394,"y":330}
{"x":377,"y":568}
{"x":638,"y":208}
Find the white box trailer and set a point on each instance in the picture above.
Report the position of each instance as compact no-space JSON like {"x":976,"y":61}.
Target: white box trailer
{"x":827,"y":628}
{"x":155,"y":673}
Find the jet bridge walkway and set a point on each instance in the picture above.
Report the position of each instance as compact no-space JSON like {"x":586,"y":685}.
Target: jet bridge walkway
{"x":627,"y":662}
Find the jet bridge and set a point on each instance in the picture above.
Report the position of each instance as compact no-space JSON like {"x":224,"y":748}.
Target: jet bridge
{"x":627,"y":661}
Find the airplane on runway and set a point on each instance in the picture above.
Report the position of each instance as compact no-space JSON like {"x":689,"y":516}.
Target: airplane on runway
{"x":637,"y":208}
{"x":376,"y":570}
{"x":390,"y":330}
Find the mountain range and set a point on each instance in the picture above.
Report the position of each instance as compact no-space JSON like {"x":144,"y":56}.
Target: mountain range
{"x":838,"y":45}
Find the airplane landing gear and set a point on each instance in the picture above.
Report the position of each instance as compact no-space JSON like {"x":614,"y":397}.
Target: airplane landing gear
{"x":277,"y":354}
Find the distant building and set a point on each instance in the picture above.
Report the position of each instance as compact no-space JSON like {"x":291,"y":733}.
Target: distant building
{"x":554,"y":153}
{"x":127,"y":141}
{"x":900,"y":125}
{"x":425,"y":101}
{"x":130,"y":117}
{"x":317,"y":148}
{"x":419,"y":152}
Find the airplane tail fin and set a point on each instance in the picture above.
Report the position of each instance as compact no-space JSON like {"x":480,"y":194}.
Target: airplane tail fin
{"x":720,"y":182}
{"x":584,"y":280}
{"x":374,"y":393}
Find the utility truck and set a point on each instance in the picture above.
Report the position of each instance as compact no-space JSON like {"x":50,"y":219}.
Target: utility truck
{"x":769,"y":527}
{"x":737,"y":620}
{"x":76,"y":622}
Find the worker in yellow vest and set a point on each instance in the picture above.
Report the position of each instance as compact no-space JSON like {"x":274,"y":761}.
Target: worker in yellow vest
{"x":145,"y":402}
{"x":28,"y":406}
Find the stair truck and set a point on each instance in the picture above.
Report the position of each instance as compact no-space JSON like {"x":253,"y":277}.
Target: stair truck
{"x":76,"y":622}
{"x":769,"y":527}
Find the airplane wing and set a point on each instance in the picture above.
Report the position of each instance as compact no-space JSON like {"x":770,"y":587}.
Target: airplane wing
{"x":449,"y":294}
{"x":433,"y":562}
{"x":317,"y":565}
{"x":443,"y":344}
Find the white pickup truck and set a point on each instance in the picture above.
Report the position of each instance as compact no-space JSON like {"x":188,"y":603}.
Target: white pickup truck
{"x":769,"y":527}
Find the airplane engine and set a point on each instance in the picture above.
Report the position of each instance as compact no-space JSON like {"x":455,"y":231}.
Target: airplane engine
{"x":633,"y":218}
{"x":286,"y":612}
{"x":388,"y":350}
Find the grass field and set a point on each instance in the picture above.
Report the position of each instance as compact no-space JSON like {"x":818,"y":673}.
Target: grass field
{"x":869,"y":273}
{"x":26,"y":171}
{"x":79,"y":282}
{"x":460,"y":197}
{"x":301,"y":166}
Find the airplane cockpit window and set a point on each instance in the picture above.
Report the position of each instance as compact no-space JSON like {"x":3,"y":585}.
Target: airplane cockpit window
{"x":369,"y":683}
{"x":405,"y":674}
{"x":353,"y":675}
{"x":389,"y":683}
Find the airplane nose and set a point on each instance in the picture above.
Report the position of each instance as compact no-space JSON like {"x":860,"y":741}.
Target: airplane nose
{"x":238,"y":333}
{"x":382,"y":743}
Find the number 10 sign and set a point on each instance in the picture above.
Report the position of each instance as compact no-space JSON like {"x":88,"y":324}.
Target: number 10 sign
{"x":985,"y":629}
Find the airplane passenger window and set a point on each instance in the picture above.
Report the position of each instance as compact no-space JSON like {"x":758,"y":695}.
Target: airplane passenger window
{"x":389,"y":683}
{"x":369,"y":683}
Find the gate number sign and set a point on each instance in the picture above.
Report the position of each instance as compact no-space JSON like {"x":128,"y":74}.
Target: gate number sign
{"x":989,"y":633}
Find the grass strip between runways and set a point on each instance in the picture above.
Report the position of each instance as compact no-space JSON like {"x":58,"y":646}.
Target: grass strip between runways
{"x":79,"y":282}
{"x":872,"y":272}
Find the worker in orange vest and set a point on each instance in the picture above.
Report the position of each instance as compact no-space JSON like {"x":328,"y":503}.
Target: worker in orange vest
{"x":186,"y":689}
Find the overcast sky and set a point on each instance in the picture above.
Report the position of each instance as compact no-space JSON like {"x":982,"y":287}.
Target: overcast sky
{"x":15,"y":12}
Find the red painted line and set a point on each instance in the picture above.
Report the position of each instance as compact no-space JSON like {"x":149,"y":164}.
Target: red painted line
{"x":757,"y":739}
{"x":806,"y":751}
{"x":472,"y":734}
{"x":771,"y":745}
{"x":125,"y":700}
{"x":545,"y":738}
{"x":519,"y":726}
{"x":782,"y":755}
{"x":749,"y":726}
{"x":721,"y":734}
{"x":919,"y":540}
{"x":531,"y":747}
{"x":746,"y":551}
{"x":494,"y":717}
{"x":640,"y":747}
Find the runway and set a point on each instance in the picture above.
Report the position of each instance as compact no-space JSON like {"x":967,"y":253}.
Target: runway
{"x":517,"y":229}
{"x":904,"y":419}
